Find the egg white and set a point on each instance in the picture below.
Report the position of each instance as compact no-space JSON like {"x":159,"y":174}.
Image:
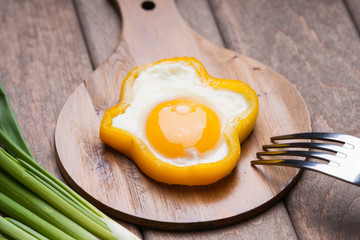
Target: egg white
{"x":169,"y":81}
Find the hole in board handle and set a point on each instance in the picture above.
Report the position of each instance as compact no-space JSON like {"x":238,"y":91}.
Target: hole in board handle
{"x":148,"y":5}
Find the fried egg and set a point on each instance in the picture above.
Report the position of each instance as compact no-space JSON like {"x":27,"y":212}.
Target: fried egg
{"x":179,"y":124}
{"x":180,"y":118}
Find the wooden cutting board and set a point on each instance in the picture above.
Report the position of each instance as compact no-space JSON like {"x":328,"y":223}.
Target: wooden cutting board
{"x":114,"y":183}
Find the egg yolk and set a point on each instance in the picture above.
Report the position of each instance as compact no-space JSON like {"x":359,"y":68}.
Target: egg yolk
{"x":176,"y":128}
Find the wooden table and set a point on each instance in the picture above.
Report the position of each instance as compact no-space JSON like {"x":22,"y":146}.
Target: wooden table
{"x":48,"y":47}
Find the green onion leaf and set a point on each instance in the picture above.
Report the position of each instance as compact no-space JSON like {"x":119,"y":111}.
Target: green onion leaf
{"x":11,"y":166}
{"x":61,"y":192}
{"x":12,"y":231}
{"x":17,"y":192}
{"x":27,"y":229}
{"x":15,"y":210}
{"x":10,"y":135}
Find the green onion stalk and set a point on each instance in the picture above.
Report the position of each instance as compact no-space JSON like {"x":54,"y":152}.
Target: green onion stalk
{"x":12,"y":231}
{"x":27,"y":229}
{"x":39,"y":205}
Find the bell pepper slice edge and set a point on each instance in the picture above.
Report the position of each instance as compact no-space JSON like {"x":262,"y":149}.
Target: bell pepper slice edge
{"x":201,"y":174}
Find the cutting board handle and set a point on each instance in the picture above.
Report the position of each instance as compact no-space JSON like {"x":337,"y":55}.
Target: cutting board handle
{"x":140,"y":23}
{"x":155,"y":31}
{"x":117,"y":185}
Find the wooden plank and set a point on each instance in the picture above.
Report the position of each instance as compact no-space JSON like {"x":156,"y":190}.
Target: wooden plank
{"x":272,"y":225}
{"x":315,"y":46}
{"x":353,"y":7}
{"x":101,"y":26}
{"x":42,"y":62}
{"x":43,"y":59}
{"x":197,"y":14}
{"x":205,"y":25}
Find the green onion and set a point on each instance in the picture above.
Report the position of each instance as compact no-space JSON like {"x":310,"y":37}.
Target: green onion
{"x":27,"y":229}
{"x":12,"y":231}
{"x":12,"y":167}
{"x":70,"y":198}
{"x":43,"y":189}
{"x":12,"y":140}
{"x":10,"y":135}
{"x":15,"y":210}
{"x":14,"y":190}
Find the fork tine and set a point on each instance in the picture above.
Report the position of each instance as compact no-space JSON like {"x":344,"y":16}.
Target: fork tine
{"x":351,"y":177}
{"x":307,"y":154}
{"x":321,"y":146}
{"x":342,"y":138}
{"x":347,"y":170}
{"x":314,"y":166}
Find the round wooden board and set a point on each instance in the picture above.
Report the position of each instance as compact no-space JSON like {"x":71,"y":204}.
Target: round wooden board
{"x":114,"y":183}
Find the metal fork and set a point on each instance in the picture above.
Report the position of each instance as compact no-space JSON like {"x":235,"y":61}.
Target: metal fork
{"x":342,"y":160}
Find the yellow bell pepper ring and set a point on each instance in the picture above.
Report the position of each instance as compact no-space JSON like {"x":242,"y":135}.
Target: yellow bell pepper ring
{"x":136,"y":149}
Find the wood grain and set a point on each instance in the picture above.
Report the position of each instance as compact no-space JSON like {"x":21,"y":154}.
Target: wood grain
{"x":107,"y":176}
{"x":314,"y":45}
{"x":256,"y":228}
{"x":43,"y":60}
{"x":353,"y":6}
{"x":198,"y":15}
{"x":101,"y":27}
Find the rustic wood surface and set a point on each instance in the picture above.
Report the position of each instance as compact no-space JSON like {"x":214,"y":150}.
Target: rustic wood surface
{"x":353,"y":7}
{"x":314,"y":44}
